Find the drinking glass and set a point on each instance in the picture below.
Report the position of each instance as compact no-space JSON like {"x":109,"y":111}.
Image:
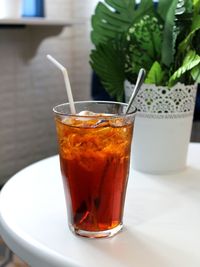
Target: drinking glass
{"x":94,"y":152}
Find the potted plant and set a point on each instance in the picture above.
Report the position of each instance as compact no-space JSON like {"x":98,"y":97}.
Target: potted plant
{"x":164,"y":39}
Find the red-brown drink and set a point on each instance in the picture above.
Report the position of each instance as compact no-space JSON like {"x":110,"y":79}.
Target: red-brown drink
{"x":94,"y":158}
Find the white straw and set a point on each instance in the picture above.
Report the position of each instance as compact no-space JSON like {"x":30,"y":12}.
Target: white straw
{"x":67,"y":82}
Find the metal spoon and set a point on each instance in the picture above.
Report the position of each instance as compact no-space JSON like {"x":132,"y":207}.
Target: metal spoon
{"x":139,"y":82}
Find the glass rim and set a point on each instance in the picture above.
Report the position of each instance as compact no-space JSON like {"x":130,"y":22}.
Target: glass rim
{"x":94,"y":116}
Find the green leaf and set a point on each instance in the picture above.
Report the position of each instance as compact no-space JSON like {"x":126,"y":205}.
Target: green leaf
{"x":114,"y":17}
{"x":144,"y":41}
{"x":191,"y":60}
{"x":195,"y":72}
{"x":163,"y":6}
{"x":187,"y":41}
{"x":196,"y":5}
{"x":168,"y":35}
{"x":169,"y":46}
{"x":146,"y":7}
{"x":108,"y":63}
{"x":155,"y":74}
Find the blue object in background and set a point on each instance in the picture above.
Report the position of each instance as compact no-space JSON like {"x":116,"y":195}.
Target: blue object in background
{"x":33,"y":8}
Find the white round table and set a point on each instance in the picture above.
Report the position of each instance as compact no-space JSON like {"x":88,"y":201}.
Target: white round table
{"x":162,"y":220}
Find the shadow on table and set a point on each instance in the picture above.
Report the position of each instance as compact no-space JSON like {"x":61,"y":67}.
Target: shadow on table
{"x":135,"y":248}
{"x":160,"y":237}
{"x":186,"y":182}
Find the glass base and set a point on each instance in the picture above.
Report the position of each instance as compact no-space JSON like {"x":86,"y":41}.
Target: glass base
{"x":98,"y":234}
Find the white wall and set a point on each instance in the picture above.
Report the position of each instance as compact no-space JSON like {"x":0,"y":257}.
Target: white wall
{"x":30,"y":86}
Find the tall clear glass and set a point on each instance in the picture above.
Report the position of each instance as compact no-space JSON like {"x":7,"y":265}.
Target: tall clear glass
{"x":94,"y":158}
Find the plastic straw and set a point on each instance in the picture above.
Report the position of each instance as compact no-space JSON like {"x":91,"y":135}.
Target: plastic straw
{"x":67,"y":82}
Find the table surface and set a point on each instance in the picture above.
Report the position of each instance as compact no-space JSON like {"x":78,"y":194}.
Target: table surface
{"x":162,"y":220}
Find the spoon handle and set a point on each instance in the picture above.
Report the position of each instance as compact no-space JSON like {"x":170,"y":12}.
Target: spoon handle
{"x":139,"y":82}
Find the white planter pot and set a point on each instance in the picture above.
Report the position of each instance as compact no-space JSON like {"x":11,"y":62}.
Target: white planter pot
{"x":10,"y":8}
{"x":162,"y":127}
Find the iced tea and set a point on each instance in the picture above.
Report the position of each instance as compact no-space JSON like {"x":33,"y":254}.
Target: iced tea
{"x":94,"y":158}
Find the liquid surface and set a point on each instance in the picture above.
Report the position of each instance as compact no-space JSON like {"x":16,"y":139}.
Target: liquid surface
{"x":94,"y":158}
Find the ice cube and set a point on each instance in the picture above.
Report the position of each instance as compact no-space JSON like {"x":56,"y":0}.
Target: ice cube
{"x":86,"y":113}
